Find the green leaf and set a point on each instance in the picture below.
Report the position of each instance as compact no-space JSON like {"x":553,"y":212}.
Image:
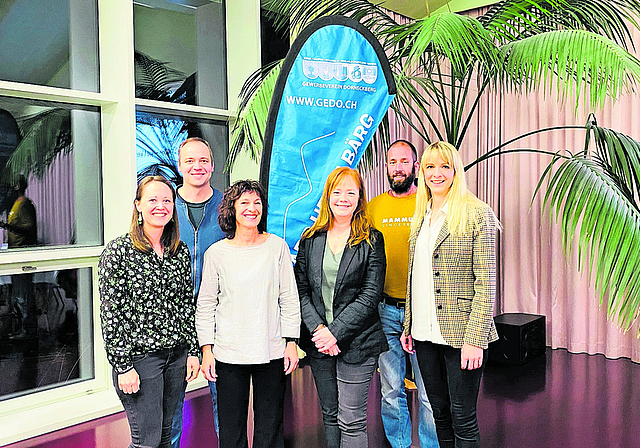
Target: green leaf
{"x":592,"y":207}
{"x":577,"y":62}
{"x":247,"y":133}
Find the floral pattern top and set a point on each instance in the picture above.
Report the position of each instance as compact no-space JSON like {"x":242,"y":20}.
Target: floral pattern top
{"x":146,"y":302}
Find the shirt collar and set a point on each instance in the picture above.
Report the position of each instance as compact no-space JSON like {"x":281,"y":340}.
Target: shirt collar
{"x":444,"y":209}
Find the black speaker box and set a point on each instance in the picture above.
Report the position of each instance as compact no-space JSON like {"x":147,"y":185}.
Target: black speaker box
{"x":522,"y":337}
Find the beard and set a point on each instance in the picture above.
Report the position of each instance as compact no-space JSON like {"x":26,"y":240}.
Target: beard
{"x":402,"y":186}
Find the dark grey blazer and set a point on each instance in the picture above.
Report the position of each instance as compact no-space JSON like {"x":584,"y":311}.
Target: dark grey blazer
{"x":357,"y":293}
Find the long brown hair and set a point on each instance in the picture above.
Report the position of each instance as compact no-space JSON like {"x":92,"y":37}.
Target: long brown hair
{"x":170,"y":238}
{"x":361,"y":223}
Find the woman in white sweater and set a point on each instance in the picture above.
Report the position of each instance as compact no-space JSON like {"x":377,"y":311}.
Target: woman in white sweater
{"x":248,"y":319}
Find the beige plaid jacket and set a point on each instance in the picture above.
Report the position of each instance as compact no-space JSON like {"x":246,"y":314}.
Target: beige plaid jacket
{"x":464,"y":276}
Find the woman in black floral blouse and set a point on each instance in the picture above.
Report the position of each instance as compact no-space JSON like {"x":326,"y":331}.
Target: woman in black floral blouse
{"x":148,"y":314}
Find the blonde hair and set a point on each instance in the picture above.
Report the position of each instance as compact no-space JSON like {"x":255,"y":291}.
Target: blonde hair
{"x":458,"y":196}
{"x":361,"y":223}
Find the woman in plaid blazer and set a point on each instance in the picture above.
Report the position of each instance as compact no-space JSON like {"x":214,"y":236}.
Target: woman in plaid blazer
{"x":450,"y":293}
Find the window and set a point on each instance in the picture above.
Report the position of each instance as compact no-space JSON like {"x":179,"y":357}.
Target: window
{"x":98,"y":116}
{"x":158,"y":137}
{"x":49,"y":187}
{"x":45,"y":326}
{"x":180,"y":51}
{"x":50,"y":43}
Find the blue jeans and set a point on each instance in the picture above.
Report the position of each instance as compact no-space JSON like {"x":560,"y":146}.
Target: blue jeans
{"x":453,"y":393}
{"x":343,"y":390}
{"x":392,"y":364}
{"x":176,"y":428}
{"x":150,"y":410}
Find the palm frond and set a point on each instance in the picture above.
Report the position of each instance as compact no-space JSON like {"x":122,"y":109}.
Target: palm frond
{"x":158,"y":139}
{"x":582,"y":195}
{"x":169,"y":172}
{"x":579,"y":62}
{"x":511,"y":20}
{"x":44,"y":136}
{"x":247,"y":133}
{"x":155,"y":80}
{"x":619,"y":155}
{"x":462,"y":40}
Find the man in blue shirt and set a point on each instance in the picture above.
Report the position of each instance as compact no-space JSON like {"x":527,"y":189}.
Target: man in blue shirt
{"x":197,"y":208}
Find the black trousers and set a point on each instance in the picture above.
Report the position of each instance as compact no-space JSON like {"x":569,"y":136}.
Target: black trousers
{"x":268,"y":403}
{"x":452,"y":392}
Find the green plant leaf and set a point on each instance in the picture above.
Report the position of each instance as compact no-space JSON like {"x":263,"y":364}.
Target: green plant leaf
{"x":573,"y":61}
{"x":247,"y":133}
{"x":604,"y":221}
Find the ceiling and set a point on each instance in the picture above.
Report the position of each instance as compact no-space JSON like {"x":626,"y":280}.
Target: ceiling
{"x":417,"y":9}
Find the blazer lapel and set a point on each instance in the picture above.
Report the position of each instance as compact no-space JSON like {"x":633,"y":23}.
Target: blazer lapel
{"x":317,"y":253}
{"x":444,"y":233}
{"x":345,"y":261}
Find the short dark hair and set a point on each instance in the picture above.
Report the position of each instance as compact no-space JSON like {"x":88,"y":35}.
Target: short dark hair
{"x":227,"y":209}
{"x":22,"y":183}
{"x":170,"y":238}
{"x":409,"y":144}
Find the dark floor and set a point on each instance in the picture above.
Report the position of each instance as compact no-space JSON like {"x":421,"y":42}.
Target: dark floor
{"x":560,"y":400}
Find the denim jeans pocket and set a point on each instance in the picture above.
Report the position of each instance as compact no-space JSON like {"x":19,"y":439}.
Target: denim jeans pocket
{"x":140,"y":357}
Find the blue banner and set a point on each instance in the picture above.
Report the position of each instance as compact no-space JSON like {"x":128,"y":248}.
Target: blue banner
{"x":334,"y":88}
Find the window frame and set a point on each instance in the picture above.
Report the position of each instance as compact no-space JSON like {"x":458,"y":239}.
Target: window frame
{"x":63,"y":406}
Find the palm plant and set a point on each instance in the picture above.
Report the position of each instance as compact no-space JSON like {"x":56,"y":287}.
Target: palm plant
{"x":157,"y":141}
{"x":47,"y":134}
{"x":444,"y":65}
{"x":44,"y":136}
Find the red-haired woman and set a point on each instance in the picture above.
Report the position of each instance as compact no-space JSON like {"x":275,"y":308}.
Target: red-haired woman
{"x":340,"y":271}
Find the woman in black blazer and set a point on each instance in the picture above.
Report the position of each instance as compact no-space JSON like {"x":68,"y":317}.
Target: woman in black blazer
{"x":340,"y":271}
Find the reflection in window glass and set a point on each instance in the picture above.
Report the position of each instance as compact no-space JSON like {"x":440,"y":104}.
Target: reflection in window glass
{"x":49,"y":174}
{"x":159,"y":136}
{"x":46,"y":337}
{"x":180,"y":51}
{"x":50,"y":43}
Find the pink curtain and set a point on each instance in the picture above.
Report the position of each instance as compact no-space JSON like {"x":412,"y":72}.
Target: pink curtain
{"x":53,"y":198}
{"x":535,"y":274}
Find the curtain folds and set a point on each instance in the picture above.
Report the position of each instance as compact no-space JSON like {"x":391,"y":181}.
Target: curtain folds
{"x":534,"y":273}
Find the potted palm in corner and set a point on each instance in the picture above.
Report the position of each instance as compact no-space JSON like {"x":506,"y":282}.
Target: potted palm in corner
{"x":445,"y":63}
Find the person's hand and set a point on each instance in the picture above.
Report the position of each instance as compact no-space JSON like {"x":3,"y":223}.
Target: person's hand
{"x":129,"y":382}
{"x":471,"y":357}
{"x":323,"y":339}
{"x":193,"y":368}
{"x":334,"y":350}
{"x":208,"y":366}
{"x":407,"y":343}
{"x":290,"y":358}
